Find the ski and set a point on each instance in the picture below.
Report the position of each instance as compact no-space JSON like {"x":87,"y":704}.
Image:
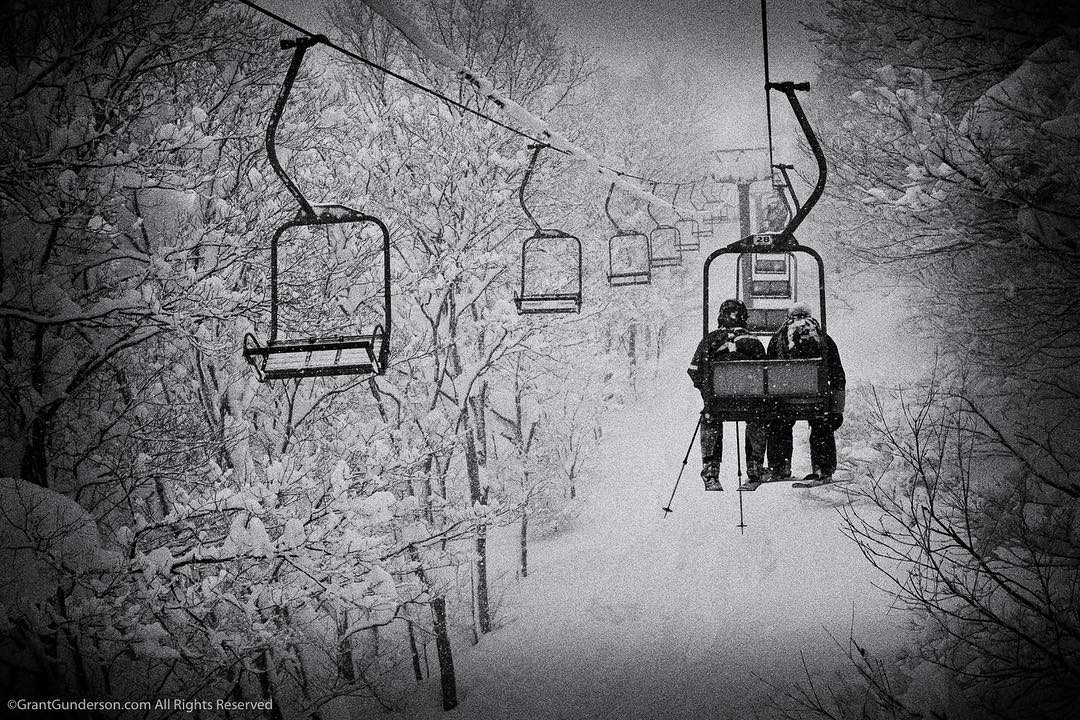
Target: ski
{"x":819,"y":482}
{"x":751,"y":485}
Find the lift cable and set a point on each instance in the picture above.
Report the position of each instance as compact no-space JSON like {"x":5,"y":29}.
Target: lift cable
{"x":441,"y":96}
{"x":360,"y":58}
{"x":768,"y":98}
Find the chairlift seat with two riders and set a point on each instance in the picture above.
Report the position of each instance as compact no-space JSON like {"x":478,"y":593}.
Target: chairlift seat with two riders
{"x":742,"y":390}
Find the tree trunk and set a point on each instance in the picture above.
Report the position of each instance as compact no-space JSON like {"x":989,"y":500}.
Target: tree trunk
{"x":266,"y":685}
{"x":35,"y":460}
{"x":478,"y":494}
{"x":524,"y":543}
{"x":446,"y":656}
{"x":345,"y":663}
{"x":418,"y":671}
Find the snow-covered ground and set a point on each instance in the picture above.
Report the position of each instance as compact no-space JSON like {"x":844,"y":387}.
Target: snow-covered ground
{"x":633,"y":615}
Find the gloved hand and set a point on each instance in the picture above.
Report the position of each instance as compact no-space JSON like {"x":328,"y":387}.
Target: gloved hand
{"x":695,"y":377}
{"x":837,"y":402}
{"x":835,"y":420}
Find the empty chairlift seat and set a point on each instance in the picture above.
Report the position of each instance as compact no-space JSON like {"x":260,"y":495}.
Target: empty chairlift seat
{"x":550,"y":263}
{"x":553,"y":286}
{"x":327,"y":353}
{"x":628,"y":259}
{"x":332,"y":286}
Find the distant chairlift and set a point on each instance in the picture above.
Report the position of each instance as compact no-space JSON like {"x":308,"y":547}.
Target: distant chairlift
{"x":324,"y":355}
{"x":664,"y":241}
{"x":750,"y":389}
{"x":541,"y":289}
{"x":629,"y":253}
{"x":688,"y":238}
{"x":716,"y":209}
{"x":704,"y":229}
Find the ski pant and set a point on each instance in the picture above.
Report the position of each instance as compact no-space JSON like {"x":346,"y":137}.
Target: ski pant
{"x":712,"y":441}
{"x":822,"y":442}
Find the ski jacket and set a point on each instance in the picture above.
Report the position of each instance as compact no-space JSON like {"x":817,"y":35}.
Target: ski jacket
{"x":720,"y":345}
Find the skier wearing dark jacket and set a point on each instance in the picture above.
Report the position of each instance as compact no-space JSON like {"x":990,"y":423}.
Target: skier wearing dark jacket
{"x":802,"y":337}
{"x":730,"y":341}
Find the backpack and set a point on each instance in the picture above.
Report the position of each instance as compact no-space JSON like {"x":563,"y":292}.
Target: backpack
{"x":802,"y":338}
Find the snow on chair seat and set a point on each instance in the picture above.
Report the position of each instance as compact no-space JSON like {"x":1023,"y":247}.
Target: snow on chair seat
{"x":552,"y":303}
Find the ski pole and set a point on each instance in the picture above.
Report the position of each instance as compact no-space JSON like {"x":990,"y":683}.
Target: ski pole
{"x":667,"y":508}
{"x":738,"y":473}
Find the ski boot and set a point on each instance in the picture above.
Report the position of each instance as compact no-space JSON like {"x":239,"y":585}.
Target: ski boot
{"x":710,"y":474}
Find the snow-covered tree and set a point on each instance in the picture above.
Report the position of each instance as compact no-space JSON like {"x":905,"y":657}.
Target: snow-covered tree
{"x":951,"y":130}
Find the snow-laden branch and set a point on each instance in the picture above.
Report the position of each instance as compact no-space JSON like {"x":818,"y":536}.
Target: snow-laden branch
{"x":519,"y":115}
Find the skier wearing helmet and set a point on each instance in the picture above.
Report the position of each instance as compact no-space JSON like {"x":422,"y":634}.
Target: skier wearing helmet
{"x":802,"y":337}
{"x":730,"y":341}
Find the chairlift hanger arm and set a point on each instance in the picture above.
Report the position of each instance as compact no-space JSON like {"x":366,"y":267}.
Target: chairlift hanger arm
{"x":300,"y":46}
{"x":607,"y":209}
{"x":691,"y":196}
{"x":525,"y":181}
{"x":789,"y":89}
{"x":648,"y":207}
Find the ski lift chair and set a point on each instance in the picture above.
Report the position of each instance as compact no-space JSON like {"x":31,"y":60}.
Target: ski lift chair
{"x":629,"y":244}
{"x":749,"y":389}
{"x":532,"y":301}
{"x":717,"y":212}
{"x":704,"y":229}
{"x":688,"y":231}
{"x":663,"y":240}
{"x":753,"y":389}
{"x":322,"y":355}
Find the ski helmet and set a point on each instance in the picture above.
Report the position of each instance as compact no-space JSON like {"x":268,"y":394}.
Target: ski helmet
{"x":732,"y":314}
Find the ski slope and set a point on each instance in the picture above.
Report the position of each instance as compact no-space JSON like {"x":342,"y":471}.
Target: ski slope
{"x":633,"y":615}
